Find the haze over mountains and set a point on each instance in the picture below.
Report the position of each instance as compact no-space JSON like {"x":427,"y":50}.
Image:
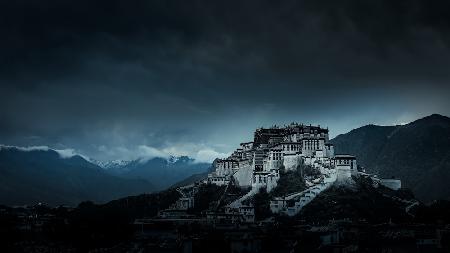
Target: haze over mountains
{"x":29,"y":176}
{"x":418,"y":153}
{"x":161,"y":172}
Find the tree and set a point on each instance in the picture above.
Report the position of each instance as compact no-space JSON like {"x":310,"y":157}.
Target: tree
{"x":261,"y":202}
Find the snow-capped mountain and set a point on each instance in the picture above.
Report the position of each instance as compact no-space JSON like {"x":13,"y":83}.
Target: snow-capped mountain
{"x":118,"y":164}
{"x":173,"y":159}
{"x":114,"y":164}
{"x":162,"y":172}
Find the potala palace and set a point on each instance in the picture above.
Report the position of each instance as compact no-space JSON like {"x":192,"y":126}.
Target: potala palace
{"x":258,"y":165}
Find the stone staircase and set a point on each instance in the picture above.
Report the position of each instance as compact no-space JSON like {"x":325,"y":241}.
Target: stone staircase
{"x":303,"y":198}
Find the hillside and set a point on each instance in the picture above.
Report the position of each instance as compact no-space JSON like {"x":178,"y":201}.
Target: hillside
{"x":28,"y":177}
{"x":362,"y":201}
{"x":418,"y":153}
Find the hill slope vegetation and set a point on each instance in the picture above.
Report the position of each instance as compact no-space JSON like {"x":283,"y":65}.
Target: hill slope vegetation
{"x":418,"y":153}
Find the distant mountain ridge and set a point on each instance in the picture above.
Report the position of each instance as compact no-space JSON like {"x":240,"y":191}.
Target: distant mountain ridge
{"x":162,"y":172}
{"x":28,"y":176}
{"x":111,"y":164}
{"x":40,"y":174}
{"x":418,"y":153}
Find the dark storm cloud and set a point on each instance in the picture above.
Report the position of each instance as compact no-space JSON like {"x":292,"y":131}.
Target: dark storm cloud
{"x":288,"y":37}
{"x":200,"y":75}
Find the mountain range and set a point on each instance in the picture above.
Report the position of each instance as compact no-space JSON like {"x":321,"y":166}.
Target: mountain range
{"x":33,"y":175}
{"x":418,"y":153}
{"x":161,"y":172}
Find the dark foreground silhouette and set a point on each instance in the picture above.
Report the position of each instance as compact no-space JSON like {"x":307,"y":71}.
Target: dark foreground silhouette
{"x":337,"y":221}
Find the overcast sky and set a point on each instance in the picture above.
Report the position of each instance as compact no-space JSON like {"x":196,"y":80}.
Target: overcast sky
{"x":123,"y":79}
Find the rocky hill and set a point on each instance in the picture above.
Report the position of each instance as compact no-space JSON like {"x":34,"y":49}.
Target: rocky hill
{"x":418,"y":153}
{"x":362,"y":201}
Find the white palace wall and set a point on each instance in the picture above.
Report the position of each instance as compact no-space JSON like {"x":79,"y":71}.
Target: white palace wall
{"x":243,"y":177}
{"x":291,"y":161}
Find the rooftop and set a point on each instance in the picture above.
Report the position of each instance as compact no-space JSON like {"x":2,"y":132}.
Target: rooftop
{"x":344,"y":156}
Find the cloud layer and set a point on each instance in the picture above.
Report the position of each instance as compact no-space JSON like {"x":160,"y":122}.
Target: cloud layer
{"x":117,"y":79}
{"x":63,"y":153}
